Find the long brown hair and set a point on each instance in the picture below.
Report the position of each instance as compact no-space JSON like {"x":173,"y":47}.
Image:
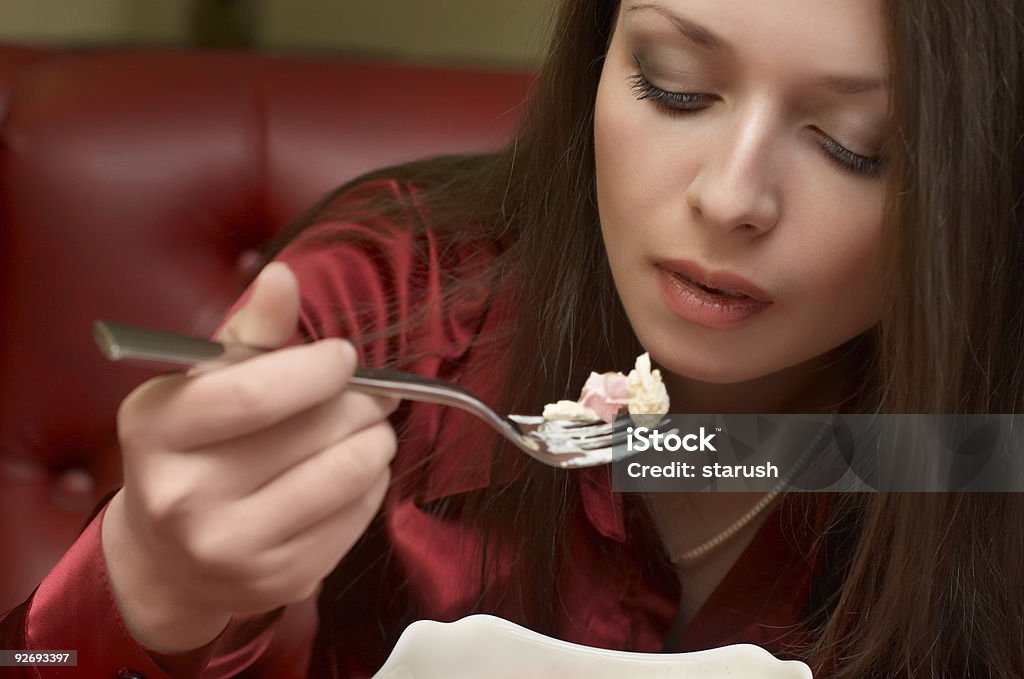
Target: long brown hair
{"x":924,"y":584}
{"x":934,"y":585}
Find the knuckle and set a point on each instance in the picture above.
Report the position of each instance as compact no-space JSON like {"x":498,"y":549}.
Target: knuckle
{"x":217,"y":551}
{"x":346,"y":469}
{"x":170,"y":511}
{"x":230,"y":331}
{"x":341,"y":351}
{"x":362,"y":458}
{"x":135,"y":413}
{"x":371,"y":500}
{"x":281,"y":585}
{"x":166,"y":507}
{"x":294,"y":580}
{"x":387,"y":405}
{"x":333,"y":363}
{"x":308,"y":592}
{"x":247,"y":396}
{"x":385,"y":440}
{"x":392,"y":444}
{"x":127,"y":413}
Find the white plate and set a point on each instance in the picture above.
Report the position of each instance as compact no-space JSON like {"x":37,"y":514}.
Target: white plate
{"x":485,"y":647}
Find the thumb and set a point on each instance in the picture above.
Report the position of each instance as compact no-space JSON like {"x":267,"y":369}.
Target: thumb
{"x":268,"y":316}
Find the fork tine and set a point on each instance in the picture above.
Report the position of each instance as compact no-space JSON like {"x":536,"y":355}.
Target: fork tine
{"x":620,"y":426}
{"x":612,"y":440}
{"x":584,"y":427}
{"x":595,"y":437}
{"x":558,"y":434}
{"x":579,"y":429}
{"x":604,"y":442}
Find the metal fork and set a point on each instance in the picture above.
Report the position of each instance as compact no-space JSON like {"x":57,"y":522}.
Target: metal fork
{"x":555,"y":443}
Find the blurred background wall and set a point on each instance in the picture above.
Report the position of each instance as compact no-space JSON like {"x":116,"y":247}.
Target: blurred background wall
{"x":482,"y":33}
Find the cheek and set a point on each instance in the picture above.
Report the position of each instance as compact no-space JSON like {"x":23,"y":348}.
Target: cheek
{"x":841,"y":266}
{"x":639,"y":176}
{"x":619,"y":176}
{"x":612,"y":164}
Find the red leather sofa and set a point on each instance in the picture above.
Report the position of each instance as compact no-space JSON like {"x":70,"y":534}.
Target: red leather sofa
{"x":135,"y":187}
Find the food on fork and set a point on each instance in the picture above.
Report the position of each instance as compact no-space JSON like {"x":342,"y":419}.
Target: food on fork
{"x":574,"y":411}
{"x":642,"y":393}
{"x":605,"y":394}
{"x":647,"y":394}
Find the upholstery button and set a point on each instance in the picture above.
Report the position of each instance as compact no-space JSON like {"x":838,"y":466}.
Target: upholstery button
{"x":76,"y":482}
{"x":125,"y":673}
{"x":248,"y":263}
{"x":17,"y":469}
{"x":73,"y":490}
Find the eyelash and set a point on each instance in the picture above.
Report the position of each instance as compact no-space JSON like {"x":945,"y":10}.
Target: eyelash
{"x":846,"y":159}
{"x":687,"y":103}
{"x":674,"y":103}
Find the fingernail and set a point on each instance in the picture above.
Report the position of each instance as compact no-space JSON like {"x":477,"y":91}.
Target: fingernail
{"x":264,"y":272}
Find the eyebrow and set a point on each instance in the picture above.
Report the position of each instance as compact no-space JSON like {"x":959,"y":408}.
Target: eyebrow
{"x":695,"y":32}
{"x":707,"y":39}
{"x":851,"y":84}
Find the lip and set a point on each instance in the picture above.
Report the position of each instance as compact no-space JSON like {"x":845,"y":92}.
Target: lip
{"x":690,"y":302}
{"x":716,"y":279}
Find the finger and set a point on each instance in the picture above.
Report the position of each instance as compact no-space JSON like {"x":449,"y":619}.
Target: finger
{"x":269,"y":316}
{"x":240,"y":399}
{"x":282,"y":573}
{"x":325,"y":544}
{"x":247,"y":463}
{"x":311,"y":491}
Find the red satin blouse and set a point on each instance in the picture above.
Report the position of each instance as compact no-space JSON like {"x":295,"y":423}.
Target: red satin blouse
{"x":356,"y":279}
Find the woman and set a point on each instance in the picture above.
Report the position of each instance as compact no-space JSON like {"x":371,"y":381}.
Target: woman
{"x":794,"y":206}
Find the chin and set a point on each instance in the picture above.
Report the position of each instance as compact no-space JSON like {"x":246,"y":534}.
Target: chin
{"x":712,"y":372}
{"x":717,"y":368}
{"x":717,"y":363}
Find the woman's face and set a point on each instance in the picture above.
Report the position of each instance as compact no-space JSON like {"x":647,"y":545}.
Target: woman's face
{"x":737,"y":148}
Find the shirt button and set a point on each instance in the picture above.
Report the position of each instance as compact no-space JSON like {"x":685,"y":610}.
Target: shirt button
{"x":124,"y":673}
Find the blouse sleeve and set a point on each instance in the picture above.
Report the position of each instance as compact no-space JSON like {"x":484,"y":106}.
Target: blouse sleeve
{"x":356,"y":280}
{"x":74,"y":609}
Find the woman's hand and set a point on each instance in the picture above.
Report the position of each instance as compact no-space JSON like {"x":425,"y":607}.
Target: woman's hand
{"x":243,"y":486}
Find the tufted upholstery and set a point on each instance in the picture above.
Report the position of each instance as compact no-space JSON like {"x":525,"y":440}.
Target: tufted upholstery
{"x":136,"y":187}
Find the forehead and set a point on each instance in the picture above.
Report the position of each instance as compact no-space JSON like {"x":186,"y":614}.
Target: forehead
{"x":828,"y":35}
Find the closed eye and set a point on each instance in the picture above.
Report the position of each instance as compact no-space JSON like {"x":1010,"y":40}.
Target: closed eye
{"x":685,"y":103}
{"x":846,"y":159}
{"x":671,"y":102}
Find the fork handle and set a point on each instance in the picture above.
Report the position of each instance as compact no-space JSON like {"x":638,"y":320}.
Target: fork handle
{"x":130,"y":344}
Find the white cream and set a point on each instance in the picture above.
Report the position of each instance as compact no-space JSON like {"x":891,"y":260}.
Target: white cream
{"x":643,"y":386}
{"x":647,"y":393}
{"x":573,"y":411}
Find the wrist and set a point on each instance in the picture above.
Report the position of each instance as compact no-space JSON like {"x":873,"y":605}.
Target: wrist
{"x":154,"y":611}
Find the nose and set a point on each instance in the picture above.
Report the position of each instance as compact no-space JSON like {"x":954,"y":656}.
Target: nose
{"x":734,"y":187}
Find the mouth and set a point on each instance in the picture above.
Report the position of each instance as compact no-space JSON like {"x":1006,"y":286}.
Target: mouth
{"x":724,"y":285}
{"x":710,"y":302}
{"x":706,"y":288}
